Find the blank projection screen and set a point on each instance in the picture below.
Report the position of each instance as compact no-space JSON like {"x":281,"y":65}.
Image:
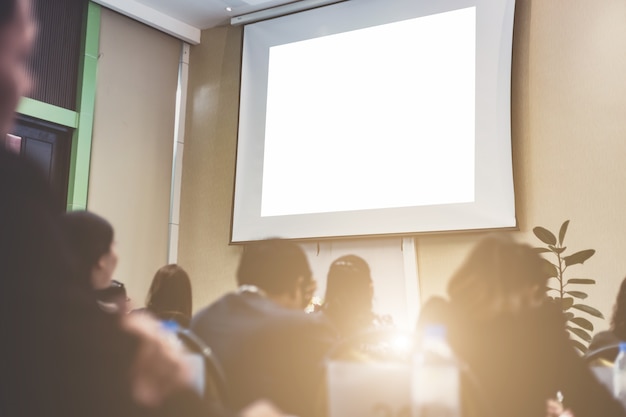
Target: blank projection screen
{"x":376,"y":117}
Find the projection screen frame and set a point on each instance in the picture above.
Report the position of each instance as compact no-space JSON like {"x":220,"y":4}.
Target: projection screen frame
{"x":494,"y":32}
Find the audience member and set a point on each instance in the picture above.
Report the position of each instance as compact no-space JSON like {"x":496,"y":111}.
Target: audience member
{"x":268,"y":347}
{"x":169,"y":296}
{"x":617,"y":331}
{"x":348,"y":301}
{"x":61,"y":356}
{"x":513,"y":340}
{"x":433,"y":312}
{"x":91,"y":240}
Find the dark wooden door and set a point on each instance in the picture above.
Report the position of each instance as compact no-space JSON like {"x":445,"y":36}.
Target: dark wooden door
{"x":49,"y":146}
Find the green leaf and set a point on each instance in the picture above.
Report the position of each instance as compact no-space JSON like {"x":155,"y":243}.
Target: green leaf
{"x":578,"y":294}
{"x":556,"y":250}
{"x":581,"y":348}
{"x":580,"y":333}
{"x":541,"y":250}
{"x":566,"y":303}
{"x":562,"y":232}
{"x":578,"y":257}
{"x":588,"y":310}
{"x":544,"y":235}
{"x":550,"y":270}
{"x":580,"y":281}
{"x":582,"y":322}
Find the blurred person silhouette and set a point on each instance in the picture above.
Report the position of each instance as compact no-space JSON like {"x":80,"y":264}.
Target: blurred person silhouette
{"x":608,"y":340}
{"x":169,"y":296}
{"x":501,"y":324}
{"x":349,"y":297}
{"x":268,"y":346}
{"x":61,"y":356}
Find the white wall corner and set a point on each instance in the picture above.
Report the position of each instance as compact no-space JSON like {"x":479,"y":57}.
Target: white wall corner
{"x":154,"y":18}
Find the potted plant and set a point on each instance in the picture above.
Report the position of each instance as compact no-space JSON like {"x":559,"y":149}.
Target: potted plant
{"x":567,"y":292}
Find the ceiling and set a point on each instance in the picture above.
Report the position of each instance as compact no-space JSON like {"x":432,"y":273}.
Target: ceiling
{"x":204,"y":14}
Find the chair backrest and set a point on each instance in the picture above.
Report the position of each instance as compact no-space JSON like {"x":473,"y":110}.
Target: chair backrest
{"x":607,"y":353}
{"x":370,"y":374}
{"x":214,"y":384}
{"x":368,"y":389}
{"x":604,"y":374}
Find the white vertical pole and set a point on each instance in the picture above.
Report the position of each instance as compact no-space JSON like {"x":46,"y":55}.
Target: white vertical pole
{"x":179,"y":147}
{"x":411,"y":280}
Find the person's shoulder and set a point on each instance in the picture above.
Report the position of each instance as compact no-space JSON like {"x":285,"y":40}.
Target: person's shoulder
{"x":208,"y":310}
{"x":311,"y":324}
{"x":234,"y":306}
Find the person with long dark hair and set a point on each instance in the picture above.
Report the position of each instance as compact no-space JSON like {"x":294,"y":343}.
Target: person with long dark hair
{"x":348,"y":301}
{"x":169,"y":296}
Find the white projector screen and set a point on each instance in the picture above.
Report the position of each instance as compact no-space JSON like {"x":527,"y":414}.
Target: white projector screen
{"x":376,"y":117}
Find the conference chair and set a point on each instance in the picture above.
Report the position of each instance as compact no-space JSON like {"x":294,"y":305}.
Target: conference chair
{"x":606,"y":353}
{"x":212,"y":386}
{"x":371,"y":372}
{"x":600,"y":362}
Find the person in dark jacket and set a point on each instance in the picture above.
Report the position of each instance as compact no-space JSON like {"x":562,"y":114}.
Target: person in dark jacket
{"x":267,"y":346}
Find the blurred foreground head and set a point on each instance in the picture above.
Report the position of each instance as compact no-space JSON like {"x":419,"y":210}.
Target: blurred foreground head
{"x":499,"y":276}
{"x":17,"y":33}
{"x":28,"y":231}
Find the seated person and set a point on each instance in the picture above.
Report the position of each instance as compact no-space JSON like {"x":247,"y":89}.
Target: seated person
{"x":268,"y":347}
{"x":169,"y":296}
{"x":349,"y":296}
{"x":90,"y":238}
{"x":502,"y":326}
{"x":615,"y":334}
{"x":348,"y":306}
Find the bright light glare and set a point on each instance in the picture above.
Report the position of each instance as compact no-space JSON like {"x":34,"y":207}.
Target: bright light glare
{"x":401,"y":344}
{"x":401,"y":140}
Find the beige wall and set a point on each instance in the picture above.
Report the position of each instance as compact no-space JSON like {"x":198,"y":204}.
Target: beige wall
{"x":569,"y":142}
{"x":133,"y":143}
{"x":209,"y":164}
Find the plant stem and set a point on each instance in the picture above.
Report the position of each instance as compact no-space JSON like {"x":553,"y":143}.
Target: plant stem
{"x":560,"y":275}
